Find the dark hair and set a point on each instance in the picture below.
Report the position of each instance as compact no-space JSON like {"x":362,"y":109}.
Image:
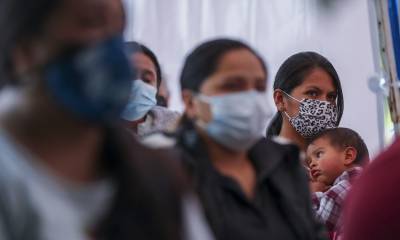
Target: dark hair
{"x":147,"y":200}
{"x":139,"y":208}
{"x":342,"y":138}
{"x":20,"y":21}
{"x":135,"y":47}
{"x":162,"y":101}
{"x":292,"y":73}
{"x":204,"y":60}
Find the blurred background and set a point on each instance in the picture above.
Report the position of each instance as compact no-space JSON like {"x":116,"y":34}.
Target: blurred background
{"x":344,"y":31}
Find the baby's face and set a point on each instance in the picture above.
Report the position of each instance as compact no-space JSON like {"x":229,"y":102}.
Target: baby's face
{"x":325,"y":161}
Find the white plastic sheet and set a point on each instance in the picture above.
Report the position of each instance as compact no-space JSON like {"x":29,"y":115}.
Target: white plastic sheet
{"x":339,"y":30}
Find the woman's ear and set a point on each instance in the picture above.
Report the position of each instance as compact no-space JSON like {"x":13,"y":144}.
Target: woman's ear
{"x":194,"y":108}
{"x":279,"y":100}
{"x":350,"y":154}
{"x":21,"y":60}
{"x":188,"y":101}
{"x":27,"y":56}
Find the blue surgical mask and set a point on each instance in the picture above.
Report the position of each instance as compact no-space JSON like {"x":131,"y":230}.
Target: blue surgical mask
{"x":238,"y":119}
{"x":92,"y":83}
{"x":141,"y":100}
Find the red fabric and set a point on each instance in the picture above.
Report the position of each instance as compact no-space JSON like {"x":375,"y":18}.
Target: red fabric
{"x":332,"y":235}
{"x":373,"y":207}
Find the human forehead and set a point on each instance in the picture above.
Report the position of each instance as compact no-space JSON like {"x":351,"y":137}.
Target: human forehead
{"x":318,"y":143}
{"x":142,"y":59}
{"x":318,"y":77}
{"x":241,"y":58}
{"x":85,"y":21}
{"x":238,"y":63}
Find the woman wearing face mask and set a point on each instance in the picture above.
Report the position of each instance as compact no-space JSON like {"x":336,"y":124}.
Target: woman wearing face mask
{"x":308,"y":96}
{"x":66,"y":171}
{"x":249,"y":187}
{"x":142,"y":115}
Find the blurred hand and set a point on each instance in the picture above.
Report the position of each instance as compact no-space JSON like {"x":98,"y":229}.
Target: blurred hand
{"x":316,"y":186}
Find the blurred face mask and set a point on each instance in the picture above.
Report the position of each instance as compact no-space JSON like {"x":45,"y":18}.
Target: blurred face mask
{"x":93,"y":83}
{"x":314,"y":116}
{"x":238,"y":119}
{"x":141,"y":100}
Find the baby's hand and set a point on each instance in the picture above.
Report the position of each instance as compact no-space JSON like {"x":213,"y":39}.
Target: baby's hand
{"x":316,"y":186}
{"x":308,"y":171}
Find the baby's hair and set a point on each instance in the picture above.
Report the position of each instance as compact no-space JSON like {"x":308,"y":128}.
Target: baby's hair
{"x":344,"y":137}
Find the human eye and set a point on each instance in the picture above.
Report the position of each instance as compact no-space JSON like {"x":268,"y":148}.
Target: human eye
{"x":332,"y":97}
{"x":233,"y":84}
{"x":312,"y":93}
{"x":319,"y":154}
{"x":261,"y":86}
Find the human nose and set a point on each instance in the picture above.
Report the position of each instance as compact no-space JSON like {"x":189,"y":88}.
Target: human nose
{"x":313,"y":164}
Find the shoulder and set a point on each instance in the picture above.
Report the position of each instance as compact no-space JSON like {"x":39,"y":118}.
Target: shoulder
{"x":339,"y":190}
{"x":159,"y":140}
{"x":12,"y":163}
{"x":279,"y":144}
{"x":275,"y":149}
{"x":16,"y":207}
{"x":282,"y":161}
{"x":373,"y":197}
{"x":151,"y":163}
{"x":163,"y":112}
{"x":384,"y":167}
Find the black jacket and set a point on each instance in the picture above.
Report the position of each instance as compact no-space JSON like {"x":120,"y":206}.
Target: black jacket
{"x":281,"y":208}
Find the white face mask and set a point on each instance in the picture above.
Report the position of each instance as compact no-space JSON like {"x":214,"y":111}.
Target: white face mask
{"x":141,"y":100}
{"x":314,"y":116}
{"x":238,"y":119}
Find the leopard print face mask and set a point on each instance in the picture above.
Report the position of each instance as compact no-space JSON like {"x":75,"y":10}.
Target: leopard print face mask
{"x":314,"y":116}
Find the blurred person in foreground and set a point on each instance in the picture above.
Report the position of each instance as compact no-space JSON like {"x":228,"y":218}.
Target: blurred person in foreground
{"x":66,"y":170}
{"x":142,"y":114}
{"x":372,"y":209}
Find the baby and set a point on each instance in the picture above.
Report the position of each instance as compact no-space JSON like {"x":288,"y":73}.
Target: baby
{"x":335,"y":158}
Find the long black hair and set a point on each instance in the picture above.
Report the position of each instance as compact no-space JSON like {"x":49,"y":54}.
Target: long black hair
{"x":292,"y":74}
{"x":135,"y":47}
{"x":20,"y":21}
{"x":146,"y":204}
{"x":204,"y":59}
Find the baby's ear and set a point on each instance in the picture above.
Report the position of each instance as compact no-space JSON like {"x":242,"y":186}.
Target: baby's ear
{"x":350,"y":154}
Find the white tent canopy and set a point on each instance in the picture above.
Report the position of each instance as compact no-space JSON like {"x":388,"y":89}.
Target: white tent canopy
{"x":339,"y":30}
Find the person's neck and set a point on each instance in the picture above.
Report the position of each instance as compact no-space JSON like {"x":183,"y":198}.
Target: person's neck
{"x":233,"y":164}
{"x":221,"y":157}
{"x":68,"y":147}
{"x":350,"y":166}
{"x":288,"y":132}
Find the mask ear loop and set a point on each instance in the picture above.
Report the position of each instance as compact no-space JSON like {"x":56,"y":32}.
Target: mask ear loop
{"x":205,"y":99}
{"x":202,"y":97}
{"x":293,"y":98}
{"x":287,"y":115}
